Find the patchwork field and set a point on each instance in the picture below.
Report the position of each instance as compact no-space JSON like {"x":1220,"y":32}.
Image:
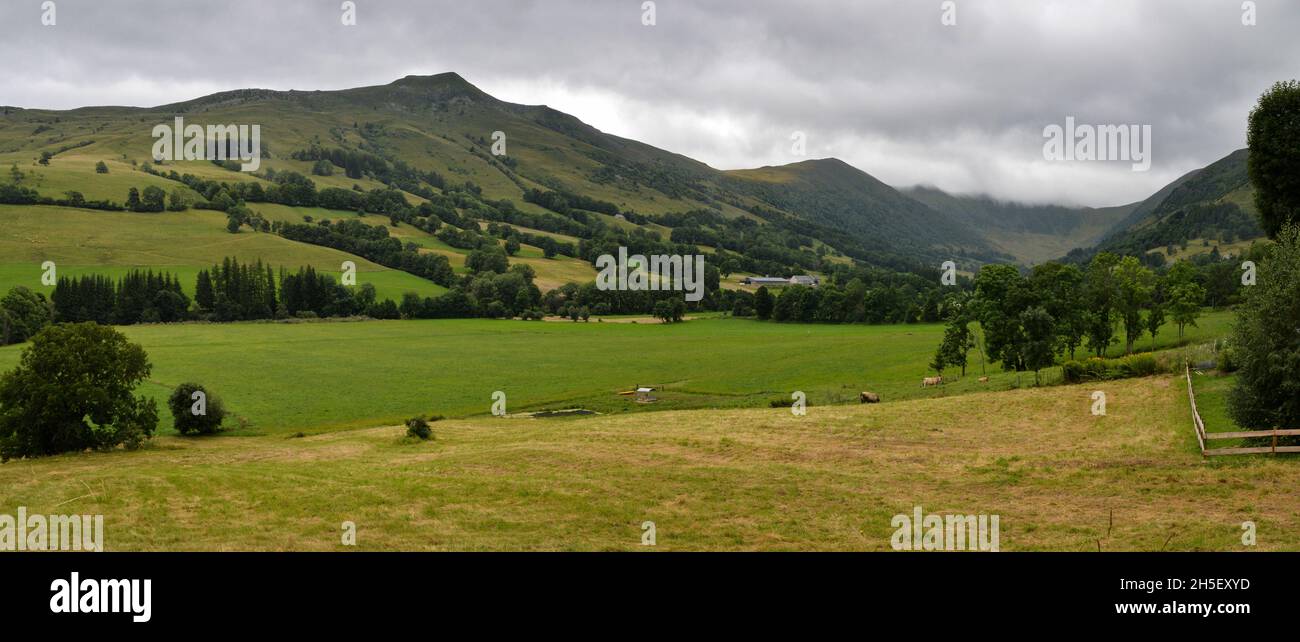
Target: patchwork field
{"x":756,"y":479}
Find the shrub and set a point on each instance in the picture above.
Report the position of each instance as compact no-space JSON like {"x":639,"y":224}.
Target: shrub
{"x":782,"y":402}
{"x":1137,"y":365}
{"x":1095,"y":369}
{"x":1072,"y":372}
{"x":1098,"y":369}
{"x":72,"y":390}
{"x":1225,"y":361}
{"x":419,"y":427}
{"x":189,"y":416}
{"x":101,"y":167}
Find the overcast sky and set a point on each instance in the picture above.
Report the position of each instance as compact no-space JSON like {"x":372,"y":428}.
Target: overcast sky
{"x":883,"y":85}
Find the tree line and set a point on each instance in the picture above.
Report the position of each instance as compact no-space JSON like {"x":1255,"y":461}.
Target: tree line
{"x":1028,"y":321}
{"x":372,"y":242}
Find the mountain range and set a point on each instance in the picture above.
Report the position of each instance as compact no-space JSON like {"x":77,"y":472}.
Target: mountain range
{"x":443,"y":125}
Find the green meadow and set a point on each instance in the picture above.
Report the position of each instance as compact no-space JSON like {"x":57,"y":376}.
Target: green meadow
{"x":330,"y":375}
{"x":85,"y":241}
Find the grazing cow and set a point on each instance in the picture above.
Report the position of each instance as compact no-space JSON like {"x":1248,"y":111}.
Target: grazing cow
{"x":984,"y":379}
{"x":931,"y":381}
{"x":868,"y":397}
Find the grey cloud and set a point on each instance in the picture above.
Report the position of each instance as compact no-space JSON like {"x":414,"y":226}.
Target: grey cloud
{"x":880,"y":83}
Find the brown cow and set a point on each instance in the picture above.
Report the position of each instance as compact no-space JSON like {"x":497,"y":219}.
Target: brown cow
{"x":868,"y":397}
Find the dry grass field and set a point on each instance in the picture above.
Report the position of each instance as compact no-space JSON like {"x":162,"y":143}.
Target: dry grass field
{"x":751,"y":479}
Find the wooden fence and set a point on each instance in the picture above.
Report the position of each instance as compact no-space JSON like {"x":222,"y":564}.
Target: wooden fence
{"x":1202,"y":437}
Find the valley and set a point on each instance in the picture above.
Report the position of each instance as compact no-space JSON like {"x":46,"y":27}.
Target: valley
{"x":463,"y":244}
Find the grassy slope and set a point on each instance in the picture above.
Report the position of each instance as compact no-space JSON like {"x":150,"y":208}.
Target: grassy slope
{"x":1060,"y":479}
{"x":1223,"y":181}
{"x":853,"y":201}
{"x":443,"y":123}
{"x":1196,"y":247}
{"x":81,"y":241}
{"x":327,"y":376}
{"x":77,"y":173}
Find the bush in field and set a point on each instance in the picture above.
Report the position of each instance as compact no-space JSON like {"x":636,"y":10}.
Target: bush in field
{"x":1094,"y":369}
{"x":1224,"y":361}
{"x":1137,"y":365}
{"x":72,"y":391}
{"x":1097,"y":369}
{"x":418,"y":427}
{"x":193,"y":413}
{"x":1072,"y":372}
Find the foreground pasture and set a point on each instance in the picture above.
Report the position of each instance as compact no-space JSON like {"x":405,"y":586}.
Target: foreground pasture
{"x":283,"y":378}
{"x":741,"y":479}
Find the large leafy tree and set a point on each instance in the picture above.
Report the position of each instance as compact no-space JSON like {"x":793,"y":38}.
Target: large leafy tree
{"x":153,"y":199}
{"x":1002,"y":294}
{"x":1155,"y":318}
{"x":957,"y":338}
{"x":22,"y":314}
{"x":1266,"y":341}
{"x":1134,"y":286}
{"x":1273,"y":136}
{"x":1039,"y":350}
{"x":763,"y":304}
{"x":1099,"y":297}
{"x":72,"y":390}
{"x":1061,"y":287}
{"x":1183,"y":295}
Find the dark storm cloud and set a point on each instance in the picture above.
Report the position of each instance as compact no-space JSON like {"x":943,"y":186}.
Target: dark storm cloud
{"x":882,"y":84}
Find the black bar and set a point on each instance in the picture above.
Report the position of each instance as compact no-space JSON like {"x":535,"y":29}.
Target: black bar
{"x":238,"y":590}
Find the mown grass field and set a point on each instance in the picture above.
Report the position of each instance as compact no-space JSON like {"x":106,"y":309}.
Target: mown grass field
{"x":314,"y":377}
{"x":741,"y":479}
